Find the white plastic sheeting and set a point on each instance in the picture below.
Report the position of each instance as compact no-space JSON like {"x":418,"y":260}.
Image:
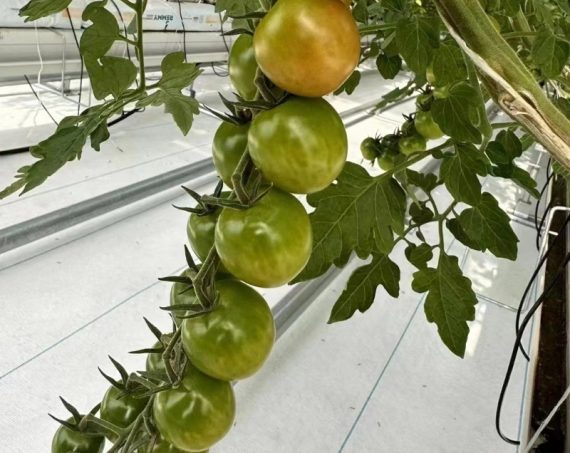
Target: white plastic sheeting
{"x":160,"y":15}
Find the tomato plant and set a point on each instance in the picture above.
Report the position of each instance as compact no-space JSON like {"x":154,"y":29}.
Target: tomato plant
{"x":242,"y":67}
{"x":307,"y":48}
{"x":268,"y":244}
{"x":229,"y":145}
{"x":67,"y":440}
{"x":233,"y":341}
{"x":300,"y":145}
{"x":289,"y":54}
{"x":197,"y":413}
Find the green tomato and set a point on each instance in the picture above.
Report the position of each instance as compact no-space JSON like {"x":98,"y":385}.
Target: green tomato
{"x":423,"y":101}
{"x":181,"y":294}
{"x":233,"y":341}
{"x":200,"y":231}
{"x":268,"y":244}
{"x":386,"y":162}
{"x":154,"y":362}
{"x":66,"y":440}
{"x":230,"y":141}
{"x":426,"y":126}
{"x":412,"y":144}
{"x":300,"y":146}
{"x":120,"y":409}
{"x":243,"y":67}
{"x":196,"y":414}
{"x":369,"y":148}
{"x":408,"y":128}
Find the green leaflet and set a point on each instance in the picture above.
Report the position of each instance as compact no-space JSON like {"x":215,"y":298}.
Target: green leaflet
{"x":460,"y":170}
{"x":110,"y":75}
{"x":36,"y":9}
{"x":448,"y":65}
{"x":360,"y":290}
{"x":417,"y":37}
{"x":176,"y":75}
{"x":488,"y":227}
{"x":346,"y":214}
{"x":351,"y":83}
{"x":549,"y":53}
{"x":450,"y":301}
{"x":388,"y":66}
{"x":455,"y":114}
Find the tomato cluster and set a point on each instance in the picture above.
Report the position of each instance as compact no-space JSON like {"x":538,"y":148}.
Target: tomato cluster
{"x":301,"y":51}
{"x":393,"y":149}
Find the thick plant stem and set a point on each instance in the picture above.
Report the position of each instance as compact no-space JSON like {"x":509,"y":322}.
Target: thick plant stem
{"x":506,"y":77}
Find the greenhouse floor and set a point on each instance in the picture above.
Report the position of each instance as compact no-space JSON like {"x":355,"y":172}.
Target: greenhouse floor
{"x":380,"y":382}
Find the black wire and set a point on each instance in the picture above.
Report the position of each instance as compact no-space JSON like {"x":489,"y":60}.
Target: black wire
{"x":544,"y":216}
{"x":81,"y":58}
{"x":123,"y":117}
{"x":536,"y":208}
{"x":183,"y":31}
{"x":533,"y":277}
{"x":38,"y":98}
{"x":520,"y":333}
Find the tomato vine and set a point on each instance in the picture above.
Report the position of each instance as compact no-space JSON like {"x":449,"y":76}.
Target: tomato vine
{"x":459,"y":55}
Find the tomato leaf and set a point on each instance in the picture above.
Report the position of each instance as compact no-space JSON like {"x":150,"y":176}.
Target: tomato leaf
{"x":448,"y":65}
{"x":346,"y":214}
{"x":99,"y":135}
{"x":236,"y":7}
{"x":350,"y":85}
{"x":455,"y":114}
{"x":36,"y":9}
{"x":360,"y":290}
{"x":488,"y":226}
{"x":549,"y":53}
{"x":459,"y":173}
{"x":98,"y":38}
{"x":181,"y":107}
{"x":519,"y":176}
{"x":419,"y":255}
{"x":110,"y":75}
{"x":176,"y":75}
{"x":450,"y":302}
{"x":417,"y":37}
{"x":388,"y":66}
{"x":425,"y":181}
{"x":421,"y":214}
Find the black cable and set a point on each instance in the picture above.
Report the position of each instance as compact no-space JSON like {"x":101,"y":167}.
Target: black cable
{"x":537,"y":206}
{"x":533,"y":277}
{"x":183,"y":31}
{"x":81,"y":58}
{"x":123,"y":117}
{"x":40,"y":101}
{"x":544,"y":217}
{"x":520,"y":333}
